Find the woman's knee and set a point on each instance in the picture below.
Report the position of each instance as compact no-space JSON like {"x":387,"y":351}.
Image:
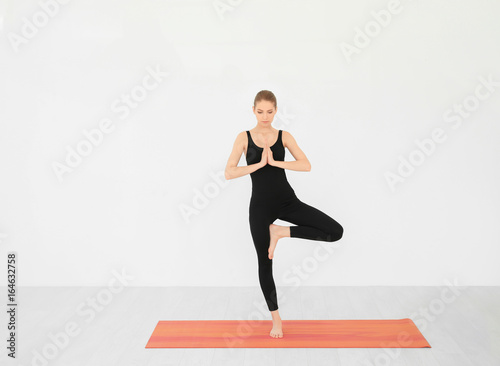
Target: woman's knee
{"x":336,"y":232}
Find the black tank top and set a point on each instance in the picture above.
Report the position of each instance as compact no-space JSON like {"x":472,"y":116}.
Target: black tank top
{"x":268,"y":179}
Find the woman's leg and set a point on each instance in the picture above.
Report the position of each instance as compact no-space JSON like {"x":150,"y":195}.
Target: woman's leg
{"x":312,"y":223}
{"x":261,"y":216}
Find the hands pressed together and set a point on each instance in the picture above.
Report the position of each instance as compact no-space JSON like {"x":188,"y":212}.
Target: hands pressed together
{"x":267,"y":156}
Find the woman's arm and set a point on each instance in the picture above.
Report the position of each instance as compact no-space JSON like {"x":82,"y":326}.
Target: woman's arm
{"x":232,"y":170}
{"x":301,"y":162}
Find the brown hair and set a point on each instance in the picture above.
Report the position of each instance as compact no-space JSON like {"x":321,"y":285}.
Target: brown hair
{"x":265,"y":95}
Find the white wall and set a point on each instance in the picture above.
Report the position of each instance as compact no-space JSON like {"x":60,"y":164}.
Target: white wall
{"x":354,"y":116}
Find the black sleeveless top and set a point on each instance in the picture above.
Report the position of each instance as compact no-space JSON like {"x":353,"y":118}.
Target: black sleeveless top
{"x":268,"y":179}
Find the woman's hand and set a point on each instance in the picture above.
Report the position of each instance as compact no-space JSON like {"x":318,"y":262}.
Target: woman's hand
{"x":270,"y":159}
{"x":263,"y":160}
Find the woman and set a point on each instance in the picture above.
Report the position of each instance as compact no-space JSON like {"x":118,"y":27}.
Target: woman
{"x":273,"y":197}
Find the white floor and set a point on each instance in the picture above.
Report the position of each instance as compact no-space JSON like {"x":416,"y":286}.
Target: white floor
{"x":60,"y":326}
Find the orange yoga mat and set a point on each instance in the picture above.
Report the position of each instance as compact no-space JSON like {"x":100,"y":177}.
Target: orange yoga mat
{"x":391,"y":333}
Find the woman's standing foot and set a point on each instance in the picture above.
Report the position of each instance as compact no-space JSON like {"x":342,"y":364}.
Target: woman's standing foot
{"x":277,"y":331}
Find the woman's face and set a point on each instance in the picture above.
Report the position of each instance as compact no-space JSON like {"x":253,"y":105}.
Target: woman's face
{"x":264,"y":111}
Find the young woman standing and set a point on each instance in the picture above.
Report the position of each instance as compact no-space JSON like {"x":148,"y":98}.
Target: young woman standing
{"x":273,"y":197}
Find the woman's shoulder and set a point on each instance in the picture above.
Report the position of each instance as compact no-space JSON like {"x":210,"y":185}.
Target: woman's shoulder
{"x":288,"y":139}
{"x":241,"y":134}
{"x":286,"y":135}
{"x":241,"y":137}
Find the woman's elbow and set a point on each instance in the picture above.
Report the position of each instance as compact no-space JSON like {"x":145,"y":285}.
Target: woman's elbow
{"x":228,"y":173}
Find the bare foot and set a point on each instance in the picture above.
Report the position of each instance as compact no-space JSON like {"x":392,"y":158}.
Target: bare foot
{"x":277,"y":331}
{"x":276,"y":232}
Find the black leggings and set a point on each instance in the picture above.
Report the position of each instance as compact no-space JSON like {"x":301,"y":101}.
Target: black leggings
{"x":311,"y":223}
